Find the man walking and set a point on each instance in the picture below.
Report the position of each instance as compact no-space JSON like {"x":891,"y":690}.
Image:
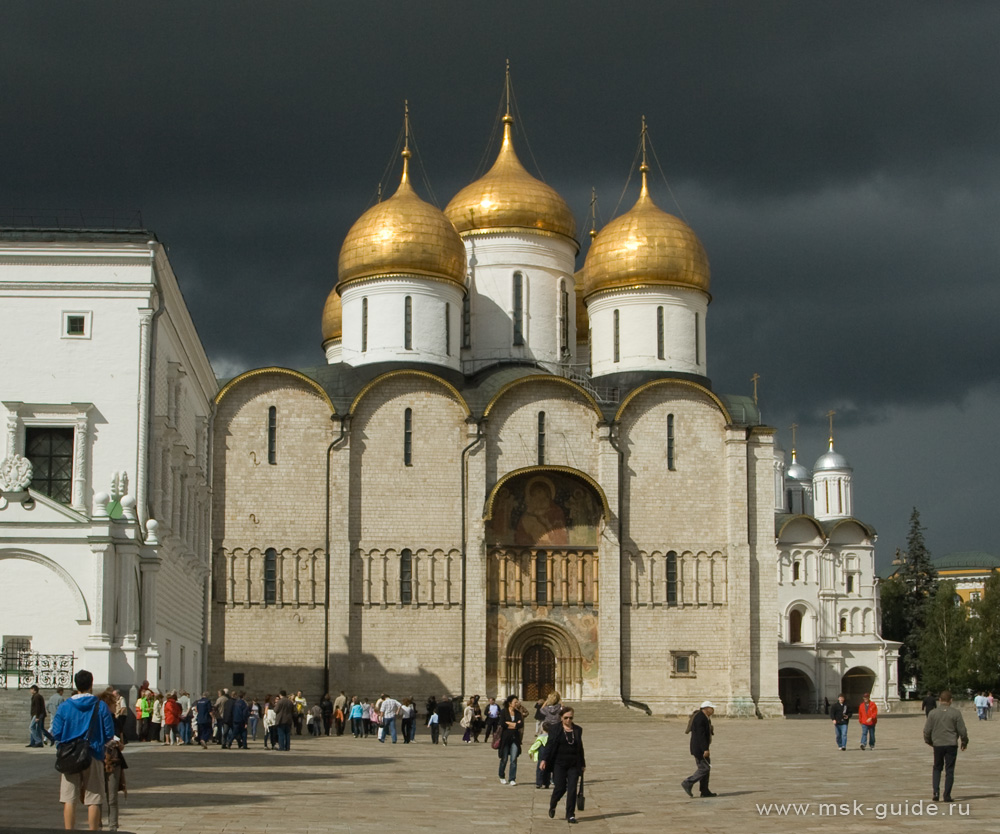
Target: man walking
{"x":867,"y":717}
{"x":929,"y":702}
{"x":339,"y":706}
{"x":389,"y":708}
{"x":445,"y":710}
{"x":943,"y":730}
{"x":840,"y":714}
{"x":284,"y":716}
{"x":701,"y":741}
{"x":84,"y":715}
{"x":492,"y":718}
{"x":37,"y":725}
{"x":51,"y":706}
{"x":203,"y":718}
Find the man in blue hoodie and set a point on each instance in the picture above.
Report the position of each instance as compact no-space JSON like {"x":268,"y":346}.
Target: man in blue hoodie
{"x":76,"y":718}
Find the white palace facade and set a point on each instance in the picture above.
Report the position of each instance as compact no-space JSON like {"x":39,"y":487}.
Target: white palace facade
{"x":508,"y":476}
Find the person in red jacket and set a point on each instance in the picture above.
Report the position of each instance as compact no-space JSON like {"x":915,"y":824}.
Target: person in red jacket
{"x":171,"y":719}
{"x":867,"y":717}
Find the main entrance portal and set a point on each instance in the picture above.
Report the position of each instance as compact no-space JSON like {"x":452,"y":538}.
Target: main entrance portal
{"x":538,"y":676}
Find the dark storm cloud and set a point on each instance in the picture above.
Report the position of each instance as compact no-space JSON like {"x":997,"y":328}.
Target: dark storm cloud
{"x":838,"y":160}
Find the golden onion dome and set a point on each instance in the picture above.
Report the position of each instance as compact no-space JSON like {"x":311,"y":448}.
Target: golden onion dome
{"x":645,"y":247}
{"x":508,"y":198}
{"x":582,"y":319}
{"x":402,"y":236}
{"x":332,"y":314}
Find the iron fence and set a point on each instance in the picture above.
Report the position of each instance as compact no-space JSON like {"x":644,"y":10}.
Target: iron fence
{"x":46,"y":671}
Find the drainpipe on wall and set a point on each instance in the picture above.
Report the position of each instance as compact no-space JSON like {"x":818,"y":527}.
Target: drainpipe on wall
{"x":326,"y":593}
{"x":147,"y":369}
{"x":464,"y":481}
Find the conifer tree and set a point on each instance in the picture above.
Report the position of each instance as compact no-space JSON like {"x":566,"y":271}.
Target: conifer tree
{"x":920,"y":578}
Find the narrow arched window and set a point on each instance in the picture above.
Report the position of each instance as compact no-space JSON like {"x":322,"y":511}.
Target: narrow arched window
{"x":670,"y":441}
{"x":518,"y":312}
{"x":447,"y":329}
{"x":660,"y":354}
{"x":406,"y":577}
{"x":270,"y":576}
{"x":795,"y":626}
{"x":272,"y":435}
{"x":671,"y":578}
{"x":564,"y":318}
{"x":796,"y":568}
{"x":541,"y":578}
{"x":408,"y":323}
{"x":843,"y":625}
{"x":617,"y":335}
{"x":850,"y":584}
{"x":467,"y":321}
{"x":364,"y":324}
{"x":697,"y":339}
{"x":541,"y":438}
{"x":408,"y":437}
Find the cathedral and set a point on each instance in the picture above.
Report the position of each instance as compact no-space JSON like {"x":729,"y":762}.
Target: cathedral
{"x":508,"y":476}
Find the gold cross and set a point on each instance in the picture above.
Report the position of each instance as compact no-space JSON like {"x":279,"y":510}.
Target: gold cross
{"x":754,"y":380}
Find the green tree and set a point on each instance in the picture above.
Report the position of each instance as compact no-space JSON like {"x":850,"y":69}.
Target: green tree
{"x":943,"y":648}
{"x":984,"y":661}
{"x":892,"y":602}
{"x":920,"y":578}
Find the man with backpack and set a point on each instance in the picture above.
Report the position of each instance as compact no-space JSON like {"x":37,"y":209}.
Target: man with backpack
{"x":81,"y":716}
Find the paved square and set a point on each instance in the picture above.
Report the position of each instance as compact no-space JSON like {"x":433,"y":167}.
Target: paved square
{"x":633,"y":784}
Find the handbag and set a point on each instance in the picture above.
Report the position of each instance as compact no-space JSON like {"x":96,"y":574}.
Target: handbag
{"x":580,"y":798}
{"x":74,"y":756}
{"x":496,"y":740}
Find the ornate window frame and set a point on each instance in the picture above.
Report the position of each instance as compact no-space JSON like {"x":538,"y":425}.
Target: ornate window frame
{"x":73,"y":415}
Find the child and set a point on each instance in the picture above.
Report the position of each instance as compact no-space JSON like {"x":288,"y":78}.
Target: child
{"x":542,"y":777}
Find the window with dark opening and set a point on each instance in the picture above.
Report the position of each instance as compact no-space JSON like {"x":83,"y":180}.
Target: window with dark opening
{"x":467,"y":321}
{"x":541,"y":579}
{"x":518,"y":308}
{"x":447,"y":329}
{"x":564,"y":313}
{"x":270,"y":576}
{"x":406,"y":577}
{"x":50,"y":451}
{"x":364,"y":324}
{"x":541,"y":438}
{"x":617,"y":334}
{"x":408,"y":437}
{"x":672,"y":578}
{"x":76,"y":325}
{"x":660,"y":354}
{"x":795,"y":626}
{"x":272,"y":435}
{"x":670,"y":441}
{"x":408,"y":323}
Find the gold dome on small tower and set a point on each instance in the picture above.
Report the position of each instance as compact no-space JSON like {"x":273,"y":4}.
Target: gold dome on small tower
{"x":332,"y":315}
{"x":508,"y":198}
{"x":402,"y":236}
{"x":645,"y":247}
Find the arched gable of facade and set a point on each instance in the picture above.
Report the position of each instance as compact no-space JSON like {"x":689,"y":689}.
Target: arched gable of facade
{"x":531,"y":471}
{"x":801,"y":530}
{"x":682,"y":384}
{"x":382,"y":379}
{"x":257,"y":373}
{"x":850,"y":531}
{"x":535,"y":379}
{"x":81,"y":611}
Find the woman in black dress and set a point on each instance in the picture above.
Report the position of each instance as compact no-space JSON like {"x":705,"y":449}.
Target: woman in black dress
{"x":563,"y":755}
{"x":511,"y":738}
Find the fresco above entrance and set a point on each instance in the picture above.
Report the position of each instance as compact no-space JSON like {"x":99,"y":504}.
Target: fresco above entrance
{"x":547,"y":510}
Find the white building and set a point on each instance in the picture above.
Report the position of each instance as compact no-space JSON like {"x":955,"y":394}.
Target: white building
{"x":104,"y":499}
{"x":829,"y":619}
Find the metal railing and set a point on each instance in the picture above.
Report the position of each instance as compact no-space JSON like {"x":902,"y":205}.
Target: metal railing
{"x":25,"y":669}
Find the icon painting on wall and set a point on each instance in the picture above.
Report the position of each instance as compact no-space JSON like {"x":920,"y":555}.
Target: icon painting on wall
{"x":550,"y":510}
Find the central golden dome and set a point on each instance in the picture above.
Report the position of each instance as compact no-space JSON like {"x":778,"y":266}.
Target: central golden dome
{"x":645,"y":247}
{"x":508,"y":198}
{"x":402,"y":236}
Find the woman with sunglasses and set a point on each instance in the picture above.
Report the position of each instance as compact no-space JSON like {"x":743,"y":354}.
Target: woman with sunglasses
{"x":563,"y":755}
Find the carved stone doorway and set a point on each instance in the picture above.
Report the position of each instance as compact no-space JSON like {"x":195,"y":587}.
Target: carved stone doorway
{"x":538,"y":676}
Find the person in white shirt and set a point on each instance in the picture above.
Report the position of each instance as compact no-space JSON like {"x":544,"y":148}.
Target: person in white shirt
{"x":389,"y":707}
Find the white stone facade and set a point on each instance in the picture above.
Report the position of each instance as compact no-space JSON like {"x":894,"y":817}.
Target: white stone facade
{"x":100,"y":350}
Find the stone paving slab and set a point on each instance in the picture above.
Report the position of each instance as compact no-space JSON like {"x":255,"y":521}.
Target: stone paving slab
{"x":633,"y":784}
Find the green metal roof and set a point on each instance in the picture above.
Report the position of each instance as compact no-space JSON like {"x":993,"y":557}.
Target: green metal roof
{"x":968,"y":559}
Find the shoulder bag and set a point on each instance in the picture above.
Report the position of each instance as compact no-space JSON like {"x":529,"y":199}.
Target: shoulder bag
{"x":74,"y":756}
{"x":580,"y":798}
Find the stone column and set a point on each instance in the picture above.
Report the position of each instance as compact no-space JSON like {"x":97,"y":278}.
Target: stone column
{"x":763,"y":559}
{"x":739,"y":582}
{"x":475,"y":564}
{"x":609,"y":571}
{"x":149,"y":568}
{"x":344,"y":589}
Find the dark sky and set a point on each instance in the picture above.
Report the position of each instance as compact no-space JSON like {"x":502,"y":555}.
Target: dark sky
{"x":838,"y":160}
